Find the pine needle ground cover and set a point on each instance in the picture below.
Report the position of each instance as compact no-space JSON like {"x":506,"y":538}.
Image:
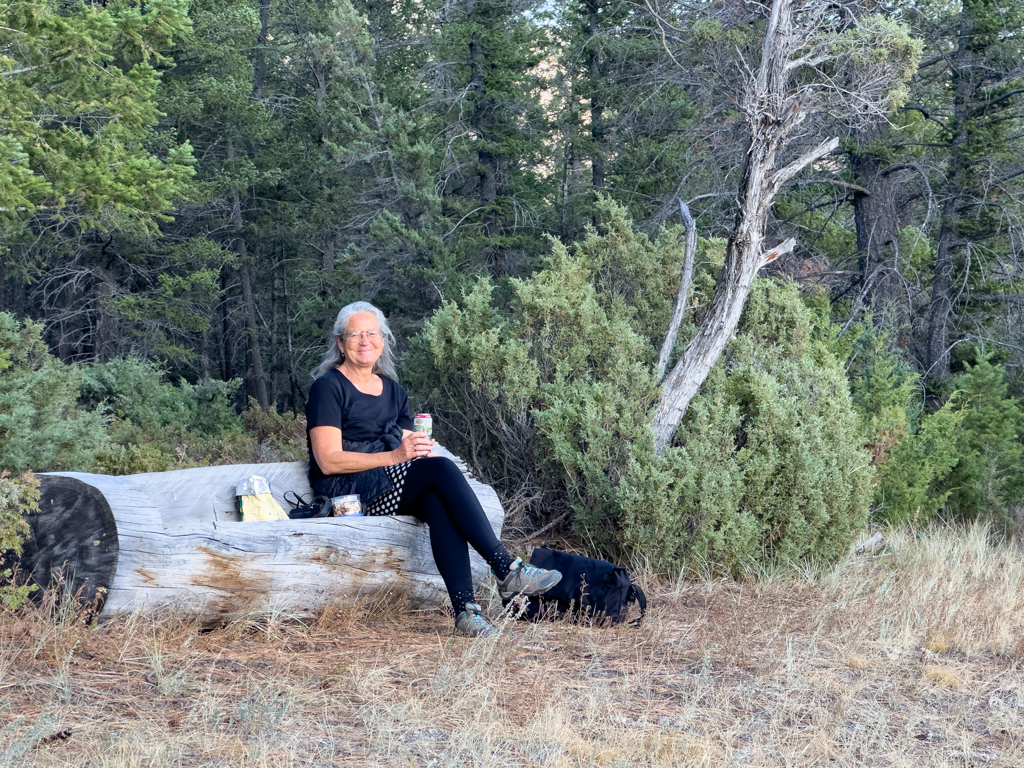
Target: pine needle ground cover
{"x":908,"y":656}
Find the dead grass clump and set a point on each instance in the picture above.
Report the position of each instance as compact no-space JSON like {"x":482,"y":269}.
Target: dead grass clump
{"x":955,"y":588}
{"x":943,"y":676}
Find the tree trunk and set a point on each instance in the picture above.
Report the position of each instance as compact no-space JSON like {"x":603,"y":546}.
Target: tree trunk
{"x":683,"y":296}
{"x":875,"y":208}
{"x":275,"y":338}
{"x":227,"y":367}
{"x":565,"y":191}
{"x":941,"y":304}
{"x":259,"y":62}
{"x":487,"y":161}
{"x":204,"y":355}
{"x":597,"y":127}
{"x":772,"y":115}
{"x":255,"y":377}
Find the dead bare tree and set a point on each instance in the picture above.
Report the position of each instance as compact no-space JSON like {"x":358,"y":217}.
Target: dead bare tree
{"x":811,"y":60}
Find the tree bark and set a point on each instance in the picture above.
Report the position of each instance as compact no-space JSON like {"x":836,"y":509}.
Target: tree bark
{"x":259,"y":62}
{"x":941,"y":304}
{"x":487,"y":161}
{"x":875,"y":215}
{"x":227,"y":366}
{"x":255,"y":379}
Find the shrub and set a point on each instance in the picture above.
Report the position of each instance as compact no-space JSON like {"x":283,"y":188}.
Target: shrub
{"x":41,"y":426}
{"x":912,"y":450}
{"x":988,"y":478}
{"x":961,"y":460}
{"x":154,"y":424}
{"x":549,"y":397}
{"x":133,"y":390}
{"x":19,"y":496}
{"x":768,"y":462}
{"x":546,"y":385}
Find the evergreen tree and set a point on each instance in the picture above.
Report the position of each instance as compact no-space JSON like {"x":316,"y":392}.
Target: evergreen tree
{"x":83,"y":163}
{"x":486,"y":90}
{"x":979,"y":118}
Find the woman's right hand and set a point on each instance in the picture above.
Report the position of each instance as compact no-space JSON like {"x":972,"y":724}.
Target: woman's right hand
{"x":414,"y":445}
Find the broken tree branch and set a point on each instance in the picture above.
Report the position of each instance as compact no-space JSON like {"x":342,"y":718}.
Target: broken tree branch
{"x":682,"y":297}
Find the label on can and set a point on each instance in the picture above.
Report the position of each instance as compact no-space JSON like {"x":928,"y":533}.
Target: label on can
{"x":423,"y":423}
{"x":345,"y":506}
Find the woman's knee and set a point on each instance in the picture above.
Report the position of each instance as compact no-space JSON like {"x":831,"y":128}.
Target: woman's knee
{"x":439,"y":469}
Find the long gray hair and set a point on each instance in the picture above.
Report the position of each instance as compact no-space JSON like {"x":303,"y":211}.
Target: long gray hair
{"x":334,"y":356}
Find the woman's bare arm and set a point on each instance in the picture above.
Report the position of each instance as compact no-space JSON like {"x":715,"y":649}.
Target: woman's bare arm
{"x":334,"y":460}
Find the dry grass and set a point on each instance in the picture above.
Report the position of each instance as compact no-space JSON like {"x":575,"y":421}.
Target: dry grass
{"x":909,"y":658}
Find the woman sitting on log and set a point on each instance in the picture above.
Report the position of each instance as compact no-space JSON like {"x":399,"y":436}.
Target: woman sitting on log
{"x":360,"y":439}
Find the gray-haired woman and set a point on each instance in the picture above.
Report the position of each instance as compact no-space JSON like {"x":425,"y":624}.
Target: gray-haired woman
{"x":360,"y":440}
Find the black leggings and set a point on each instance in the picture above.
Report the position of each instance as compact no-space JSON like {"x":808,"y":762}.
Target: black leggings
{"x":437,"y":493}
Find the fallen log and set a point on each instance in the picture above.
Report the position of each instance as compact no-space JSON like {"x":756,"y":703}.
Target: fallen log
{"x":173,"y":541}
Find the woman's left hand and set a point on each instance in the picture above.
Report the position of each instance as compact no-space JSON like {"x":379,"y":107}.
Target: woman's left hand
{"x":415,"y":445}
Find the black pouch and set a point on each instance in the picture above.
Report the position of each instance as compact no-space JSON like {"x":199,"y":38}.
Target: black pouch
{"x":301,"y":509}
{"x":590,"y":590}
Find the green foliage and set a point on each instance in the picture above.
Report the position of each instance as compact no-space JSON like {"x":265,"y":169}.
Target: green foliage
{"x":768,"y":462}
{"x":876,"y":44}
{"x":556,"y":377}
{"x":152,"y":422}
{"x":123,"y":416}
{"x":987,"y":480}
{"x":156,"y":425}
{"x":133,"y":390}
{"x":912,"y":450}
{"x":959,"y":460}
{"x":41,"y":427}
{"x":557,"y":381}
{"x":78,"y":99}
{"x":19,"y":496}
{"x":913,"y":483}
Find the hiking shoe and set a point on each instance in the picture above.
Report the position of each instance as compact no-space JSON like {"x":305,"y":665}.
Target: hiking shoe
{"x":472,"y":623}
{"x":526,"y":579}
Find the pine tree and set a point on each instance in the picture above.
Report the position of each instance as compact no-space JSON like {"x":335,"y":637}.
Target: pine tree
{"x":486,"y":91}
{"x":978,"y":107}
{"x":83,"y":161}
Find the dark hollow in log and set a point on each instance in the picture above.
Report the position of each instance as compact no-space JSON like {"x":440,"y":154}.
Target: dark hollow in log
{"x":74,"y":539}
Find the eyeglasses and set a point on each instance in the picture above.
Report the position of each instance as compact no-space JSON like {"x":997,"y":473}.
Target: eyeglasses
{"x":371,"y":336}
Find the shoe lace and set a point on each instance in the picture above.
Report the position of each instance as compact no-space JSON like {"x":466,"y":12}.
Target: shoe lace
{"x":475,"y":618}
{"x":531,"y":570}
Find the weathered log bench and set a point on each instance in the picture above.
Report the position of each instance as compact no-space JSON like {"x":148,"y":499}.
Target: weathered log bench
{"x":174,"y":541}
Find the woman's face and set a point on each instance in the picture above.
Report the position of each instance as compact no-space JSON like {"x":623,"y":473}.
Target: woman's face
{"x":362,"y":342}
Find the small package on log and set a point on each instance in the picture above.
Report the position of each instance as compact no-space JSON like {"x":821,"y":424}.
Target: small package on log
{"x":255,"y":502}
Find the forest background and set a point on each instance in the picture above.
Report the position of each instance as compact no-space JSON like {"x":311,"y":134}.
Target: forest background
{"x":191,"y":190}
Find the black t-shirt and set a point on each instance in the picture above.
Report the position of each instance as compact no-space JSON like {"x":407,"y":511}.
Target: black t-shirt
{"x":334,"y":401}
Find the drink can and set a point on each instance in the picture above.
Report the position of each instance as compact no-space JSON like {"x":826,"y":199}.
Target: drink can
{"x":423,"y":423}
{"x":347,"y":506}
